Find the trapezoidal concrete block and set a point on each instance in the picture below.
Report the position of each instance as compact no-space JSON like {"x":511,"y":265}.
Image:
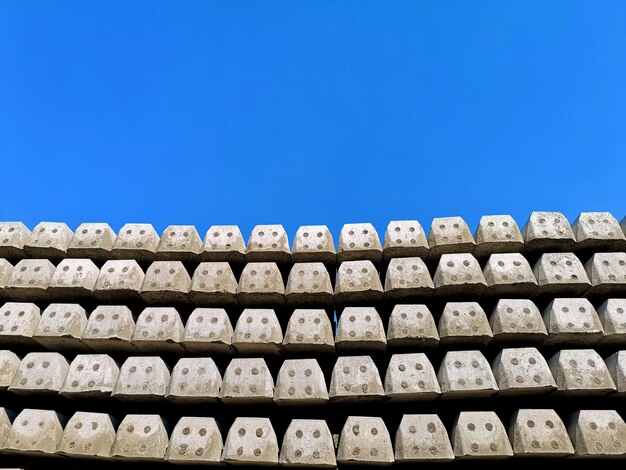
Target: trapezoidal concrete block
{"x":158,"y":329}
{"x":49,"y":240}
{"x":92,"y":241}
{"x":141,"y":437}
{"x":29,"y":280}
{"x":119,"y":280}
{"x":355,"y":379}
{"x":88,"y":435}
{"x":208,"y":330}
{"x":142,"y":378}
{"x":195,"y":440}
{"x":509,"y":274}
{"x":61,"y":327}
{"x":13,"y":237}
{"x":480,"y":435}
{"x":412,"y":326}
{"x":309,"y":331}
{"x":572,"y":322}
{"x":408,"y":278}
{"x":464,"y":323}
{"x":522,"y":371}
{"x":357,"y":282}
{"x":35,"y":432}
{"x":360,"y":329}
{"x":309,"y":284}
{"x":497,"y":234}
{"x":194,"y":379}
{"x":74,"y":279}
{"x":5,"y":427}
{"x":411,"y":377}
{"x":365,"y":440}
{"x":422,"y":438}
{"x":166,"y":282}
{"x":359,"y":242}
{"x":580,"y":372}
{"x":109,"y":329}
{"x":179,"y":243}
{"x":6,"y":269}
{"x":251,"y":441}
{"x":91,"y":375}
{"x":561,"y":274}
{"x":9,"y":363}
{"x":258,"y":332}
{"x":466,"y":374}
{"x":449,"y":235}
{"x":598,"y":434}
{"x":40,"y":373}
{"x":517,"y":321}
{"x":268,"y":243}
{"x":136,"y":241}
{"x":459,"y":274}
{"x":18,"y":322}
{"x":224,"y":243}
{"x":308,"y":443}
{"x":607,"y":273}
{"x":261,"y":284}
{"x":247,"y":381}
{"x":598,"y":231}
{"x":613,"y":318}
{"x":314,"y":243}
{"x":548,"y":231}
{"x":213,"y":284}
{"x":616,"y":364}
{"x":405,"y":238}
{"x":539,"y":433}
{"x":300,"y":382}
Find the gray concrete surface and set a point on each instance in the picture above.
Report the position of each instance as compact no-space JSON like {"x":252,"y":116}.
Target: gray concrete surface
{"x":497,"y":234}
{"x":179,"y":243}
{"x":213,"y":284}
{"x":109,"y":329}
{"x":93,"y":241}
{"x":408,"y":278}
{"x":539,"y":433}
{"x":466,"y":374}
{"x":194,"y":380}
{"x":251,"y":441}
{"x":464,"y":324}
{"x":195,"y":440}
{"x":572,"y":322}
{"x":309,"y":331}
{"x":141,"y":438}
{"x":158,"y":329}
{"x":459,"y":274}
{"x":581,"y":372}
{"x":223,"y":243}
{"x":261,"y":284}
{"x":313,"y":243}
{"x":517,"y":321}
{"x":480,"y":435}
{"x":49,"y":240}
{"x":136,"y":241}
{"x":365,"y":441}
{"x":360,"y":329}
{"x":355,"y":379}
{"x":208,"y":330}
{"x":142,"y":378}
{"x":412,"y":325}
{"x":359,"y":242}
{"x":91,"y":375}
{"x":268,"y":243}
{"x":411,"y":377}
{"x":88,"y":435}
{"x":300,"y":382}
{"x":247,"y":381}
{"x":357,"y":281}
{"x":509,"y":274}
{"x":309,"y":284}
{"x":119,"y":280}
{"x":308,"y":443}
{"x":258,"y":332}
{"x":405,"y":238}
{"x":522,"y":372}
{"x":40,"y":373}
{"x":422,"y":438}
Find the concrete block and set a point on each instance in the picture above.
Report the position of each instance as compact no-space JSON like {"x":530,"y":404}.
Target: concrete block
{"x":208,"y":330}
{"x":357,"y":281}
{"x":572,"y":322}
{"x":194,"y":379}
{"x":179,"y":243}
{"x":466,"y":374}
{"x":408,"y":278}
{"x":411,"y":377}
{"x":251,"y":441}
{"x":607,"y":273}
{"x":509,"y":274}
{"x":561,"y":274}
{"x":141,"y":437}
{"x":309,"y":284}
{"x":158,"y":329}
{"x":73,"y":279}
{"x":300,"y":382}
{"x":464,"y":323}
{"x":548,"y":231}
{"x":9,"y":363}
{"x":449,"y":235}
{"x":261,"y":284}
{"x":616,"y":364}
{"x":598,"y":434}
{"x":613,"y":318}
{"x":40,"y":373}
{"x":314,"y":243}
{"x":412,"y":326}
{"x":88,"y":435}
{"x":359,"y":242}
{"x":13,"y":237}
{"x":29,"y":280}
{"x":214,"y":284}
{"x":142,"y":378}
{"x":539,"y":433}
{"x":459,"y":274}
{"x":517,"y":320}
{"x":308,"y":443}
{"x":247,"y":381}
{"x":355,"y":379}
{"x":35,"y":432}
{"x":18,"y":322}
{"x":5,"y":426}
{"x":360,"y":329}
{"x":119,"y":280}
{"x":91,"y":375}
{"x":268,"y":243}
{"x":6,"y":269}
{"x":422,"y":438}
{"x":365,"y":440}
{"x":598,"y":231}
{"x":480,"y":435}
{"x":405,"y":238}
{"x":195,"y":440}
{"x":497,"y":234}
{"x":49,"y":240}
{"x":309,"y":331}
{"x":61,"y":327}
{"x":522,"y":371}
{"x":581,"y":372}
{"x":166,"y":282}
{"x":136,"y":241}
{"x":109,"y":329}
{"x":224,"y":243}
{"x":258,"y":332}
{"x":92,"y":241}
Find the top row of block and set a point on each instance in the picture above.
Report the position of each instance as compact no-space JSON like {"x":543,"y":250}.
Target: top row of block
{"x":544,"y":231}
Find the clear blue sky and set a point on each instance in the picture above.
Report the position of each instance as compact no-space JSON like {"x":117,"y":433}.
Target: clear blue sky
{"x":310,"y":112}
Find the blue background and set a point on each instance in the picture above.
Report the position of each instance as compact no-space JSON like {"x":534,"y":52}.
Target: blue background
{"x":324,"y":112}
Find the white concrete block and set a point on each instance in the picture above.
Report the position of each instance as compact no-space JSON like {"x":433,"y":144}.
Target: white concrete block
{"x":561,"y":274}
{"x":308,"y":443}
{"x":213,"y":284}
{"x":208,"y":330}
{"x":141,"y":438}
{"x":261,"y":284}
{"x":258,"y":332}
{"x":411,"y":377}
{"x":613,"y":318}
{"x":580,"y":372}
{"x":459,"y":274}
{"x":517,"y":320}
{"x":355,"y":378}
{"x":92,"y":241}
{"x":422,"y":438}
{"x":49,"y":240}
{"x":6,"y":269}
{"x":522,"y":371}
{"x":464,"y":323}
{"x":360,"y":329}
{"x":179,"y":243}
{"x":365,"y":440}
{"x":5,"y":427}
{"x":247,"y":381}
{"x":359,"y":242}
{"x":598,"y":434}
{"x":572,"y":322}
{"x":88,"y":435}
{"x":449,"y":235}
{"x":412,"y":326}
{"x":194,"y":380}
{"x":466,"y":374}
{"x":607,"y":273}
{"x":40,"y":372}
{"x":74,"y":279}
{"x":509,"y":274}
{"x":251,"y":441}
{"x":91,"y":375}
{"x":158,"y":329}
{"x":539,"y":433}
{"x":268,"y":243}
{"x":598,"y":231}
{"x":9,"y":363}
{"x":166,"y":282}
{"x":548,"y":231}
{"x":61,"y":327}
{"x":497,"y":234}
{"x":142,"y":378}
{"x":18,"y":322}
{"x":119,"y":280}
{"x":195,"y":440}
{"x":480,"y":435}
{"x":357,"y":281}
{"x":137,"y":242}
{"x":408,"y":278}
{"x":616,"y":364}
{"x":309,"y":331}
{"x":29,"y":280}
{"x":309,"y":284}
{"x":224,"y":243}
{"x":109,"y":329}
{"x":35,"y":432}
{"x":13,"y":237}
{"x":405,"y":238}
{"x":314,"y":243}
{"x":300,"y":382}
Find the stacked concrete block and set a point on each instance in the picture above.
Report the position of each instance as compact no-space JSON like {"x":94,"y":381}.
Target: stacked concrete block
{"x":365,"y":440}
{"x":251,"y":441}
{"x":598,"y":434}
{"x":268,"y":243}
{"x":40,"y":373}
{"x":35,"y":432}
{"x":74,"y":279}
{"x":548,"y":231}
{"x":49,"y":240}
{"x":18,"y":322}
{"x":194,"y":380}
{"x":223,"y":243}
{"x":6,"y":269}
{"x":612,"y":314}
{"x":422,"y":438}
{"x":91,"y":375}
{"x":607,"y":273}
{"x":357,"y":282}
{"x":5,"y":426}
{"x":208,"y":330}
{"x":9,"y":363}
{"x":561,"y":274}
{"x":258,"y":332}
{"x":412,"y":326}
{"x":411,"y":377}
{"x":355,"y":379}
{"x":572,"y":322}
{"x":261,"y":284}
{"x":13,"y":237}
{"x":88,"y":435}
{"x":359,"y":242}
{"x":119,"y":280}
{"x":497,"y":234}
{"x":598,"y":231}
{"x":464,"y":323}
{"x":300,"y":382}
{"x":581,"y":372}
{"x":309,"y":284}
{"x":109,"y":329}
{"x":166,"y":282}
{"x":247,"y":381}
{"x":314,"y":243}
{"x":142,"y":378}
{"x":158,"y":329}
{"x":459,"y":274}
{"x":522,"y":371}
{"x":214,"y":284}
{"x":517,"y":321}
{"x":92,"y":241}
{"x":405,"y":238}
{"x":466,"y":374}
{"x":179,"y":242}
{"x":360,"y":329}
{"x":616,"y":364}
{"x":61,"y":327}
{"x":195,"y":440}
{"x":408,"y":278}
{"x":509,"y":274}
{"x":141,"y":438}
{"x":449,"y":235}
{"x":136,"y":241}
{"x":480,"y":435}
{"x":29,"y":280}
{"x":539,"y":433}
{"x":308,"y":443}
{"x":309,"y":331}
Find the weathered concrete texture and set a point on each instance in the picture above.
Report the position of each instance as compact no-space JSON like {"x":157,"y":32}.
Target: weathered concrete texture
{"x":261,"y":284}
{"x":408,"y":278}
{"x":251,"y":441}
{"x":357,"y":281}
{"x":179,"y":242}
{"x":612,"y":314}
{"x":459,"y":274}
{"x":88,"y":435}
{"x":214,"y":284}
{"x":480,"y":435}
{"x":49,"y":240}
{"x":308,"y":443}
{"x":365,"y":441}
{"x":561,"y":274}
{"x":91,"y":375}
{"x":509,"y":274}
{"x":598,"y":434}
{"x":598,"y":231}
{"x":581,"y":372}
{"x":6,"y":269}
{"x":158,"y":329}
{"x":466,"y":374}
{"x":314,"y":243}
{"x":136,"y":241}
{"x":300,"y":382}
{"x":13,"y":237}
{"x":9,"y":363}
{"x":61,"y":327}
{"x":258,"y":332}
{"x":195,"y":440}
{"x":355,"y":378}
{"x":405,"y":238}
{"x":208,"y":330}
{"x":194,"y":379}
{"x":360,"y":329}
{"x":73,"y":279}
{"x":616,"y":364}
{"x":141,"y":437}
{"x":422,"y":438}
{"x":142,"y":378}
{"x":522,"y":371}
{"x":548,"y":231}
{"x":309,"y":284}
{"x":18,"y":322}
{"x":92,"y":241}
{"x":539,"y":433}
{"x":119,"y":280}
{"x":223,"y":243}
{"x":607,"y":273}
{"x":572,"y":322}
{"x":35,"y":432}
{"x":29,"y":280}
{"x":166,"y":282}
{"x":247,"y":381}
{"x":517,"y":320}
{"x":5,"y":427}
{"x":449,"y":235}
{"x":412,"y":326}
{"x":309,"y":331}
{"x":40,"y":373}
{"x":411,"y":377}
{"x":109,"y":329}
{"x":268,"y":243}
{"x":359,"y":242}
{"x":464,"y":323}
{"x":497,"y":234}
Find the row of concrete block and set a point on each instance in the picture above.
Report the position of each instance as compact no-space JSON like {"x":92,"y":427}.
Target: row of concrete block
{"x":411,"y":376}
{"x":309,"y":443}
